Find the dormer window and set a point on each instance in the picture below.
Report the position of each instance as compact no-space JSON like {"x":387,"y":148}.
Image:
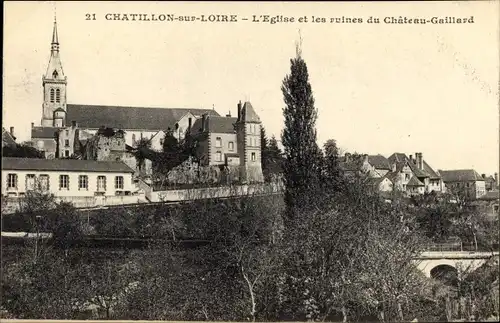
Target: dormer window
{"x":55,"y":74}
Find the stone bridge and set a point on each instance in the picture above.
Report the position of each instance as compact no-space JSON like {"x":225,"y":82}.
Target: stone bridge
{"x":431,"y":263}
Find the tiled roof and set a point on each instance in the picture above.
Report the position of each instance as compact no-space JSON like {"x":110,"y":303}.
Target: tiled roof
{"x":128,"y":118}
{"x":398,"y":158}
{"x":375,"y":181}
{"x":414,"y":181}
{"x":379,"y":162}
{"x":8,"y":139}
{"x":460,"y":175}
{"x":215,"y":124}
{"x":248,"y":113}
{"x":428,"y":169}
{"x":43,"y":132}
{"x":418,"y":172}
{"x":64,"y":165}
{"x":401,"y":159}
{"x":392,"y":176}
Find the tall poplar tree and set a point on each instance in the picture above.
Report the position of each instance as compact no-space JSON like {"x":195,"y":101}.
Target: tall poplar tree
{"x":302,"y":155}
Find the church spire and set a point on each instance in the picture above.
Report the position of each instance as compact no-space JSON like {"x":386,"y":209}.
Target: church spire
{"x":55,"y":39}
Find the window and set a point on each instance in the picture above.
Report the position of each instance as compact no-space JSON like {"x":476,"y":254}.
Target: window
{"x":162,"y":140}
{"x":83,"y":182}
{"x":133,"y":138}
{"x":67,"y":133}
{"x":52,"y":95}
{"x":101,"y":183}
{"x":66,"y":142}
{"x":407,"y":177}
{"x":253,"y":157}
{"x":230,"y":146}
{"x":66,"y":153}
{"x":58,"y":95}
{"x":30,"y":182}
{"x":55,"y":74}
{"x":64,"y":182}
{"x":119,"y":182}
{"x":218,"y":156}
{"x":12,"y":181}
{"x":44,"y":182}
{"x":218,"y":142}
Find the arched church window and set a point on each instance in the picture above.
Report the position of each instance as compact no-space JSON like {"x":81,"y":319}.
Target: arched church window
{"x":58,"y":95}
{"x":52,"y":95}
{"x":54,"y":74}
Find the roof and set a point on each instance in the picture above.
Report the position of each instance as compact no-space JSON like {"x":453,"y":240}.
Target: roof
{"x":128,"y":118}
{"x":43,"y":132}
{"x":379,"y":162}
{"x":414,"y":181}
{"x":64,"y":165}
{"x":248,"y":113}
{"x":215,"y":124}
{"x":460,"y":175}
{"x":375,"y":181}
{"x":428,"y":169}
{"x":401,"y":159}
{"x":8,"y":139}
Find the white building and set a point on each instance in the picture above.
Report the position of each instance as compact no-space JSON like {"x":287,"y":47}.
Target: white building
{"x":66,"y":177}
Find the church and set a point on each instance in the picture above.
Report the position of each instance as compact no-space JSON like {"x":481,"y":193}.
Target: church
{"x":228,"y":141}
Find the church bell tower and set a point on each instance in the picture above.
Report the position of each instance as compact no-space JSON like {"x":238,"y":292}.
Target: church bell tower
{"x":54,"y":87}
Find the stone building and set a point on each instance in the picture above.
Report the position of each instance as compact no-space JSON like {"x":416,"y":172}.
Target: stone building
{"x":228,"y":146}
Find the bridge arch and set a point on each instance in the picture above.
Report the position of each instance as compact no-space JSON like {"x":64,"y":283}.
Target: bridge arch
{"x":446,"y":273}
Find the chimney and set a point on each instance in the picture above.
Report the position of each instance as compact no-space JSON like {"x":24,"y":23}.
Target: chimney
{"x":229,"y":114}
{"x":419,"y":160}
{"x":73,"y":124}
{"x":12,"y":131}
{"x":32,"y":125}
{"x":365,"y":158}
{"x":347,"y":157}
{"x":496,"y":179}
{"x":239,"y":111}
{"x":411,"y":158}
{"x":203,"y":121}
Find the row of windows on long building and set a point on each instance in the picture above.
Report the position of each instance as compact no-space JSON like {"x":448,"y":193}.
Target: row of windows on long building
{"x":43,"y":182}
{"x":55,"y":95}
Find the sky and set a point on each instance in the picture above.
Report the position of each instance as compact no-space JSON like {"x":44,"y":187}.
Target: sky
{"x":379,"y":88}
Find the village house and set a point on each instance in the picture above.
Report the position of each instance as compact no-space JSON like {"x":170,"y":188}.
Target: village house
{"x":490,"y":182}
{"x":8,"y":138}
{"x":66,"y":177}
{"x":415,"y":175}
{"x":466,"y":181}
{"x":231,"y":145}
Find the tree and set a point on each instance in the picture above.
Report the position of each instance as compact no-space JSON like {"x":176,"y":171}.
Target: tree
{"x":142,"y":151}
{"x":332,"y":173}
{"x":23,"y":150}
{"x":302,"y":154}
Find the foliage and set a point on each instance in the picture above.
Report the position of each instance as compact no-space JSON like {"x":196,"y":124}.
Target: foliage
{"x":302,"y":154}
{"x":271,"y":156}
{"x":23,"y":150}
